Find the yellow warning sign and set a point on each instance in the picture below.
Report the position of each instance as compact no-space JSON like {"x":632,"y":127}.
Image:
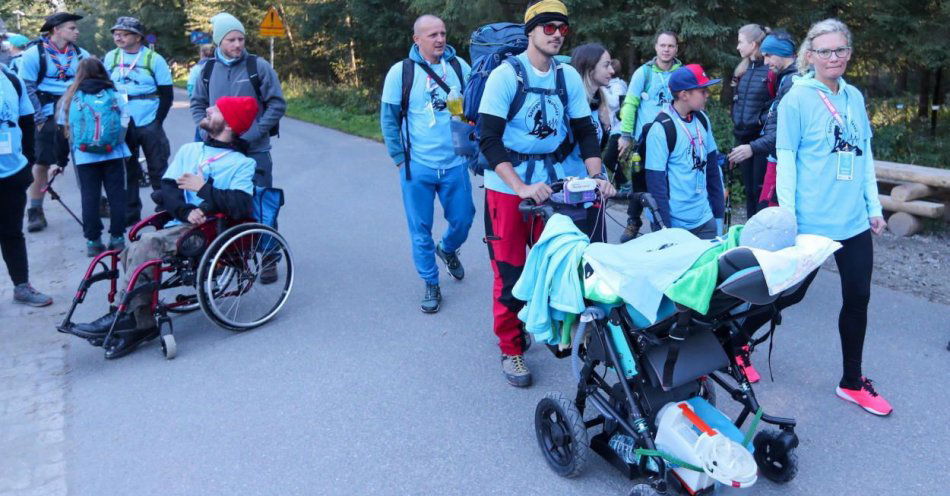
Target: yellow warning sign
{"x":272,"y":26}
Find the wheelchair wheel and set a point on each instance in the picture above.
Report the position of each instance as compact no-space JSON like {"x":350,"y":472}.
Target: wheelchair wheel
{"x":245,"y":277}
{"x":562,"y":435}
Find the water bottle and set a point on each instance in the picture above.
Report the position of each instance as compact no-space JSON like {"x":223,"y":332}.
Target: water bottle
{"x":635,"y":161}
{"x":455,"y":103}
{"x":624,"y":445}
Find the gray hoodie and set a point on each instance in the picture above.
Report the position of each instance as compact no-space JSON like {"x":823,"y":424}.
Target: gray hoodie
{"x":229,"y":78}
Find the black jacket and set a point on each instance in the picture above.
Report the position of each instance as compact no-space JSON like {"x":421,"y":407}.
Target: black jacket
{"x":766,"y":143}
{"x":751,"y":102}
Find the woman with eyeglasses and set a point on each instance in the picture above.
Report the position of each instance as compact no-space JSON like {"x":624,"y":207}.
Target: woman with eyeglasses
{"x":825,"y":175}
{"x":750,"y":106}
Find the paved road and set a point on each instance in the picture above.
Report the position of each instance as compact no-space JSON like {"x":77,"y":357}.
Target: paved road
{"x":351,"y":390}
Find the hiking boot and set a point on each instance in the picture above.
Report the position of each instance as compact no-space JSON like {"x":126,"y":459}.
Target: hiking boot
{"x":103,"y":208}
{"x":451,"y":261}
{"x":269,"y":270}
{"x":117,"y":243}
{"x":94,"y":247}
{"x":631,"y":231}
{"x":744,"y":359}
{"x":123,"y":344}
{"x":866,"y":397}
{"x":515,"y":370}
{"x":35,"y":220}
{"x":25,"y":294}
{"x":432,"y":299}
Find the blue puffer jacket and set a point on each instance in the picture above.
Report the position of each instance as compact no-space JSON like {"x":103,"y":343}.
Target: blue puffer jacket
{"x":751,"y":102}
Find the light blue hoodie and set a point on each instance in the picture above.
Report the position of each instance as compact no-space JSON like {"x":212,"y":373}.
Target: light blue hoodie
{"x":807,"y":141}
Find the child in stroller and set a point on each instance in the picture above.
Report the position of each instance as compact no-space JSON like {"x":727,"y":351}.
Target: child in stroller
{"x":646,"y":362}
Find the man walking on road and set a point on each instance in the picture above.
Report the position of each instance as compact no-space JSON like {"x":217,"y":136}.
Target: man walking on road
{"x":143,"y":79}
{"x":15,"y":177}
{"x":647,"y":94}
{"x":425,"y":155}
{"x":48,"y":68}
{"x":234,"y":72}
{"x":523,"y":159}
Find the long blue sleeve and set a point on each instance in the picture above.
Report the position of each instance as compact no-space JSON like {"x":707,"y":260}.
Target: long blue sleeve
{"x":658,"y":187}
{"x":392,"y":134}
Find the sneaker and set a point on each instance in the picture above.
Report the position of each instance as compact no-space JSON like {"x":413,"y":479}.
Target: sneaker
{"x":35,"y":219}
{"x":744,"y":359}
{"x":25,"y":294}
{"x":103,"y":208}
{"x":117,"y":243}
{"x":866,"y":397}
{"x":631,"y":231}
{"x":515,"y":370}
{"x":432,"y":299}
{"x":451,"y":261}
{"x":94,"y":247}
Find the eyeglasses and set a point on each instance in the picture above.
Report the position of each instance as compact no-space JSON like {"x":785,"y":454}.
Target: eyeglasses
{"x":825,"y":53}
{"x":551,"y":28}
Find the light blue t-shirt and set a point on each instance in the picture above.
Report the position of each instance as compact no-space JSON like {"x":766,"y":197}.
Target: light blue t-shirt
{"x":574,"y":165}
{"x":651,"y":87}
{"x":430,"y":134}
{"x":527,"y":133}
{"x":29,"y":69}
{"x":194,"y":75}
{"x":807,"y":143}
{"x":14,"y":62}
{"x":84,"y":158}
{"x":689,"y":199}
{"x":228,"y":168}
{"x":11,"y":108}
{"x":132,"y":75}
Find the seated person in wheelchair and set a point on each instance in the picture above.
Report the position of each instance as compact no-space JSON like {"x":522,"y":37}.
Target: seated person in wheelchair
{"x":205,"y":178}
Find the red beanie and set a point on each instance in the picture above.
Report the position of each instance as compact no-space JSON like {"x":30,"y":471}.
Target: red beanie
{"x":238,"y":111}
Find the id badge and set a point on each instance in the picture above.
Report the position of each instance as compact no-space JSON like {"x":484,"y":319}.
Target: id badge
{"x":431,"y":111}
{"x":845,"y":166}
{"x":700,"y":183}
{"x":6,"y":143}
{"x":644,"y":96}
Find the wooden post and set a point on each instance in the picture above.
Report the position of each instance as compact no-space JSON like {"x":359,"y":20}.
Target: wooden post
{"x":922,"y":208}
{"x":904,"y":224}
{"x":272,"y":51}
{"x":911,"y":191}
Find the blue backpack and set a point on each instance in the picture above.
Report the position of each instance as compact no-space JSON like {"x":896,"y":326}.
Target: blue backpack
{"x":491,"y":45}
{"x":95,"y":122}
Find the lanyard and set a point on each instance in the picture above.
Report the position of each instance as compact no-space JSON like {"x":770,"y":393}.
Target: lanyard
{"x":833,"y":110}
{"x":129,"y":69}
{"x":692,"y":141}
{"x":210,"y":160}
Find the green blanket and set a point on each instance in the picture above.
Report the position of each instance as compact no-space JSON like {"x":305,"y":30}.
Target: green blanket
{"x":695,"y":287}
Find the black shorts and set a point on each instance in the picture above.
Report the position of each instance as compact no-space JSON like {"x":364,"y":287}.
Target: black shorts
{"x":51,"y":145}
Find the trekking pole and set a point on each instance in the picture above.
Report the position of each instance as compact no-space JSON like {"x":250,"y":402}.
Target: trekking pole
{"x":55,"y":196}
{"x":727,"y":216}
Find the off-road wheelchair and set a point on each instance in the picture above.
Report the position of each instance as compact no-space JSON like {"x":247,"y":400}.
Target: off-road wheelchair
{"x":216,"y":266}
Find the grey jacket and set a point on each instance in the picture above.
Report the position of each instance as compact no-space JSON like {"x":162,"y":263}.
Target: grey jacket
{"x":230,"y":79}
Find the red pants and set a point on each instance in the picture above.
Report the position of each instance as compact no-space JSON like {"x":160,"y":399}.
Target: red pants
{"x":768,"y":198}
{"x":507,"y":235}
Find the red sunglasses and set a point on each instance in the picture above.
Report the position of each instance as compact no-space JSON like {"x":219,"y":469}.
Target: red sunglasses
{"x":551,"y":28}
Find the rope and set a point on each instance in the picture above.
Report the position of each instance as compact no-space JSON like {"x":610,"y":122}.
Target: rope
{"x":755,"y":423}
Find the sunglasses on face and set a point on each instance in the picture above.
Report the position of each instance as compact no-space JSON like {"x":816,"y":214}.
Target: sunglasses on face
{"x":550,"y":28}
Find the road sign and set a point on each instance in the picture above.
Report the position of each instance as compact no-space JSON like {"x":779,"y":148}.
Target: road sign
{"x":150,"y":38}
{"x":272,"y":26}
{"x":199,"y":37}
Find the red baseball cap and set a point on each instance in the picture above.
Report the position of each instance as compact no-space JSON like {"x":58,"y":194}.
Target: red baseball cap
{"x":238,"y":111}
{"x":690,"y":77}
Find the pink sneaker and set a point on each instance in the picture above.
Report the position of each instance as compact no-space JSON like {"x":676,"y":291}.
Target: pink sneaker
{"x":866,"y":398}
{"x":744,"y":359}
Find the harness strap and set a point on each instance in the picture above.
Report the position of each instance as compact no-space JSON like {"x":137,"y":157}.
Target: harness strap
{"x":677,"y":335}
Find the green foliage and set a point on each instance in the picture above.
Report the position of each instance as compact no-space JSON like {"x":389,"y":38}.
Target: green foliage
{"x":348,"y":109}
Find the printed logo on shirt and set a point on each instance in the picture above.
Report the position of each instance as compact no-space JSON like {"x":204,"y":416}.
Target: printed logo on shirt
{"x":438,"y":102}
{"x":534,"y":118}
{"x":843,"y":142}
{"x":661,"y":98}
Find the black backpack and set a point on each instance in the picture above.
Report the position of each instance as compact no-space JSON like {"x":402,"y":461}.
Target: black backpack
{"x":14,"y":80}
{"x":669,"y":128}
{"x":252,"y":76}
{"x":408,"y":76}
{"x":41,"y":51}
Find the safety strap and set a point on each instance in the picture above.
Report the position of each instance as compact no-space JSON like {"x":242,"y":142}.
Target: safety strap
{"x":668,"y":457}
{"x":752,"y":426}
{"x":677,"y":335}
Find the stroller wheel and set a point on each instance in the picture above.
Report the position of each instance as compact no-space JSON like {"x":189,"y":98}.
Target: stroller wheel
{"x":643,"y":489}
{"x":775,"y":459}
{"x":562,"y":435}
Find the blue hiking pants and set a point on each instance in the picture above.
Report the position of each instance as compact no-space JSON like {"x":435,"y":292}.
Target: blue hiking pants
{"x":454,"y":189}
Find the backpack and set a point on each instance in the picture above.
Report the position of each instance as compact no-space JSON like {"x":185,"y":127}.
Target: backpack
{"x":95,"y":122}
{"x":14,"y":80}
{"x":146,"y":64}
{"x":669,"y":128}
{"x":252,"y":75}
{"x":408,"y":76}
{"x":41,"y":51}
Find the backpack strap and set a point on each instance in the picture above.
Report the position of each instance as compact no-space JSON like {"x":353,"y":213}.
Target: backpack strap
{"x":255,"y":78}
{"x":454,"y":62}
{"x":521,"y":76}
{"x":408,"y":76}
{"x":14,"y":80}
{"x":206,"y":75}
{"x":669,"y":129}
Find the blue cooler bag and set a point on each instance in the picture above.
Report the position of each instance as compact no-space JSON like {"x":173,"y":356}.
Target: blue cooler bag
{"x":267,"y":203}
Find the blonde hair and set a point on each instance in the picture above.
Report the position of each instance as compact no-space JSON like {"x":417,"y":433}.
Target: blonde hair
{"x":820,"y":28}
{"x":754,"y":34}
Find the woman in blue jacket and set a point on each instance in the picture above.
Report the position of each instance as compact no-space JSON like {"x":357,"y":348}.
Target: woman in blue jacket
{"x":825,"y":175}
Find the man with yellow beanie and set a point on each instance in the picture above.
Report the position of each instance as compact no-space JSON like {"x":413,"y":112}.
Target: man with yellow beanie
{"x":525,"y":128}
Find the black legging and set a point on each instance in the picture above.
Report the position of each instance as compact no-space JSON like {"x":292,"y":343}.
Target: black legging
{"x":12,"y":206}
{"x":753,"y":175}
{"x":855,"y":261}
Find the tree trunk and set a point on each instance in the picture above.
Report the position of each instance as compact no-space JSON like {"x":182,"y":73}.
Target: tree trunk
{"x":725,"y":98}
{"x":923,"y":99}
{"x":937,"y":100}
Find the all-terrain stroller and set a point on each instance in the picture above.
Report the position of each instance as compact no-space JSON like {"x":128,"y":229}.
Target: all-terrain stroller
{"x":651,"y":384}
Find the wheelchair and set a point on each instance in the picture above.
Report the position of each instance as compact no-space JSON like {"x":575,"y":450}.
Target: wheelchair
{"x":216,"y":267}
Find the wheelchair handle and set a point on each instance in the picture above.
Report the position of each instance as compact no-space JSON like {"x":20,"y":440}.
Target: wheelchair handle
{"x":528,"y":208}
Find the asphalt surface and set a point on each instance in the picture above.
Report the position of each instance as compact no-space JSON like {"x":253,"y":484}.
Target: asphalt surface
{"x":351,"y":390}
